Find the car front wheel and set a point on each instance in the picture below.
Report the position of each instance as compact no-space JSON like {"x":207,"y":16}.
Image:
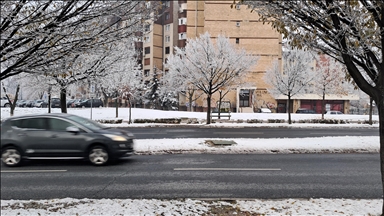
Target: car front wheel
{"x":7,"y":105}
{"x":98,"y":155}
{"x":11,"y":157}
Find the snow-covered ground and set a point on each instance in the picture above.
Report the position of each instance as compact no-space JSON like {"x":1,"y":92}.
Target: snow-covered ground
{"x":71,"y":206}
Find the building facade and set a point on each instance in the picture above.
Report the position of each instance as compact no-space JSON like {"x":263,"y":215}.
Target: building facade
{"x":182,"y":19}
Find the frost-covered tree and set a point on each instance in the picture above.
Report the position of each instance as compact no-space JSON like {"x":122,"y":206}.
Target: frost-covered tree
{"x":329,"y":79}
{"x":293,"y":78}
{"x":209,"y":65}
{"x":39,"y":34}
{"x":351,"y":32}
{"x":172,"y":82}
{"x":152,"y":91}
{"x":87,"y":67}
{"x":123,"y":77}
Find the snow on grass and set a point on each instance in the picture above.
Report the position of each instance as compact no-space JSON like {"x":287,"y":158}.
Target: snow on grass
{"x":70,"y":206}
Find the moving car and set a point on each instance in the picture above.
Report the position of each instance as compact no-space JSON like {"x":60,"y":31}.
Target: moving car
{"x":61,"y":136}
{"x":87,"y":103}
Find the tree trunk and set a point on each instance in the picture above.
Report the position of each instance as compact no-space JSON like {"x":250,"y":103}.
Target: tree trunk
{"x":218,"y":112}
{"x":117,"y":107}
{"x":105,"y":96}
{"x":370,"y":110}
{"x":323,"y":106}
{"x":289,"y":109}
{"x":209,"y":109}
{"x":49,"y":100}
{"x":190,"y":98}
{"x":13,"y":104}
{"x":63,"y":100}
{"x":380,"y":106}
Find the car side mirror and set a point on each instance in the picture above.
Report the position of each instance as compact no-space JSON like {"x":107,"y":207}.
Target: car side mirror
{"x":73,"y":129}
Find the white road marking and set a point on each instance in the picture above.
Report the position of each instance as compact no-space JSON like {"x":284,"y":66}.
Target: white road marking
{"x":238,"y":132}
{"x":34,"y":171}
{"x":327,"y":133}
{"x":227,"y":169}
{"x":153,"y":133}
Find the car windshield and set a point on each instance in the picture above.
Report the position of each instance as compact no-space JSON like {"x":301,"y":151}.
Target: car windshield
{"x":87,"y":123}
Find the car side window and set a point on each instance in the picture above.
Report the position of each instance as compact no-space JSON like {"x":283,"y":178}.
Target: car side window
{"x":30,"y":123}
{"x":59,"y":124}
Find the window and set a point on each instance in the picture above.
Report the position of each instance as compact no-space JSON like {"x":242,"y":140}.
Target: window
{"x":167,"y":38}
{"x":167,"y":16}
{"x":58,"y":124}
{"x":238,"y":7}
{"x":146,"y":73}
{"x":183,"y":21}
{"x":167,"y":4}
{"x":166,"y":50}
{"x":166,"y":60}
{"x":238,"y":23}
{"x":182,"y":36}
{"x":244,"y":98}
{"x":30,"y":123}
{"x":147,"y":27}
{"x":237,"y":40}
{"x":166,"y":71}
{"x":147,"y":50}
{"x":167,"y":27}
{"x":147,"y":39}
{"x":147,"y":61}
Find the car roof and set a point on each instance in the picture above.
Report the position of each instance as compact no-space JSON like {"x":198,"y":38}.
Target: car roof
{"x":41,"y":115}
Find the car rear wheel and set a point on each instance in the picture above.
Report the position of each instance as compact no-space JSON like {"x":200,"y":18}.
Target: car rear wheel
{"x":7,"y":105}
{"x":98,"y":155}
{"x":11,"y":157}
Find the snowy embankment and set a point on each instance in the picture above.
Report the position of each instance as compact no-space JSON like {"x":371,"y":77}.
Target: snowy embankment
{"x":191,"y":207}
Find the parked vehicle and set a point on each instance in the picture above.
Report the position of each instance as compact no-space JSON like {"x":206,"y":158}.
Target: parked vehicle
{"x":333,"y":112}
{"x":264,"y":110}
{"x":41,"y":104}
{"x":87,"y":103}
{"x":61,"y":135}
{"x":5,"y":102}
{"x":55,"y":103}
{"x":21,"y":103}
{"x":29,"y":103}
{"x":307,"y":111}
{"x":70,"y":103}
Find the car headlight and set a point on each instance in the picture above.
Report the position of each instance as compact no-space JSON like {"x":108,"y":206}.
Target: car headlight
{"x":115,"y":137}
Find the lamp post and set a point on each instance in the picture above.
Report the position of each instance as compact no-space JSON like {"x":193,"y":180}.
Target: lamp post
{"x":92,"y":88}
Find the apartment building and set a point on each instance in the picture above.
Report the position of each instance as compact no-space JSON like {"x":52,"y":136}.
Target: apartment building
{"x":184,"y":19}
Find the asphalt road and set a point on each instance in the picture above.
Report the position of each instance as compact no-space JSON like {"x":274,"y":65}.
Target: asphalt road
{"x":200,"y":176}
{"x":246,"y":132}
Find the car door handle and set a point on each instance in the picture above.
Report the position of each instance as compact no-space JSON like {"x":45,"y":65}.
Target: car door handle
{"x":21,"y":134}
{"x":54,"y":136}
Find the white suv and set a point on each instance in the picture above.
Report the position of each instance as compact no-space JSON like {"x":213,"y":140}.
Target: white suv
{"x":5,"y":102}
